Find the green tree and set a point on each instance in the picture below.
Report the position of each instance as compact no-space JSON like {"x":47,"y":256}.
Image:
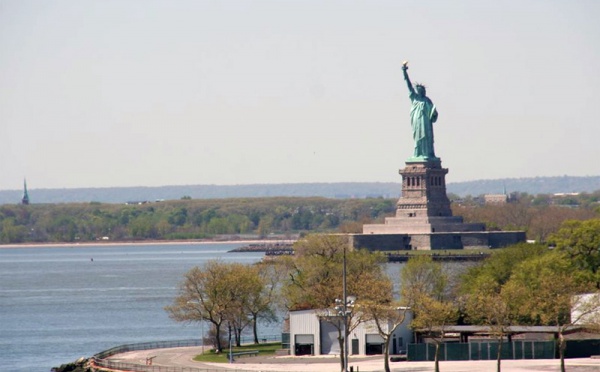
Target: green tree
{"x":142,"y":227}
{"x":11,"y":233}
{"x":493,"y":306}
{"x":580,"y":240}
{"x":387,"y":314}
{"x":207,"y":294}
{"x":425,"y":290}
{"x":63,"y":228}
{"x":178,"y":217}
{"x":265,"y":226}
{"x":432,"y":316}
{"x":499,"y":266}
{"x":244,"y":283}
{"x":546,"y":291}
{"x":218,"y":226}
{"x":422,"y":276}
{"x":261,"y":299}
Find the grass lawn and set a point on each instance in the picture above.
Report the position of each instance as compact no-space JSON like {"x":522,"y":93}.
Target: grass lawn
{"x":263,"y":349}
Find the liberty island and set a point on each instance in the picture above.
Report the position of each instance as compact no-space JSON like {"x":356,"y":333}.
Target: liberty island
{"x":424,"y":219}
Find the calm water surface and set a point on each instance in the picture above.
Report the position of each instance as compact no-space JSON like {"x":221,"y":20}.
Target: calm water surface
{"x":58,"y":304}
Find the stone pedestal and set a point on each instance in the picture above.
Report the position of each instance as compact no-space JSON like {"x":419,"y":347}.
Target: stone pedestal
{"x":423,"y":191}
{"x":424,"y":206}
{"x":424,"y":218}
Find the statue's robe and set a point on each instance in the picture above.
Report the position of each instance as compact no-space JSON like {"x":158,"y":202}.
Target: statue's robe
{"x":422,"y":116}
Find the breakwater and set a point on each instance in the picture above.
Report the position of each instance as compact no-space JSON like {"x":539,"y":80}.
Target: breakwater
{"x":270,"y":249}
{"x":278,"y":249}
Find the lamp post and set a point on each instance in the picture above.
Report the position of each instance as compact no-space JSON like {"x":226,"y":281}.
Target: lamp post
{"x":342,"y":309}
{"x":230,"y":350}
{"x":345,"y":294}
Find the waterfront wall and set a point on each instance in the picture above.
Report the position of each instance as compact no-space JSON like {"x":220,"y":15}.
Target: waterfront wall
{"x":100,"y":360}
{"x":436,"y":241}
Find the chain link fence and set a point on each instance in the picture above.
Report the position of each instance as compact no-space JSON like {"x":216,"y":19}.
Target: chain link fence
{"x":483,"y":351}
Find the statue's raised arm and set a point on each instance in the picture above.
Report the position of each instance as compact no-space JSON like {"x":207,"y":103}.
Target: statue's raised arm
{"x":406,"y":78}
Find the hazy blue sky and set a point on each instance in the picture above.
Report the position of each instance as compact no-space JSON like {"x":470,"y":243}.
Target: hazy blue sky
{"x":149,"y":93}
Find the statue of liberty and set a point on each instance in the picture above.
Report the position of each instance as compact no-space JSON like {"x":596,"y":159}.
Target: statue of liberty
{"x":422,"y":116}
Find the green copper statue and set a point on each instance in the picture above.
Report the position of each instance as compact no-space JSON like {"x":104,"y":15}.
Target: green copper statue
{"x":422,"y":116}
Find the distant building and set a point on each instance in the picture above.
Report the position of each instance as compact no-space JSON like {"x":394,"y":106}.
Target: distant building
{"x":559,"y":194}
{"x":495,"y":199}
{"x":137,"y":202}
{"x":25,"y":198}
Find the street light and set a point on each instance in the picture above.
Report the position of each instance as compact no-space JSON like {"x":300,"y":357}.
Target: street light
{"x":342,"y":309}
{"x":230,"y":350}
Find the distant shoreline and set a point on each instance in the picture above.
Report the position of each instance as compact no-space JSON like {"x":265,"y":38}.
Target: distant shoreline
{"x":130,"y":243}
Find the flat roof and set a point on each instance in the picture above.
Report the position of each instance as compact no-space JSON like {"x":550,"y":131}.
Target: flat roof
{"x":509,"y":329}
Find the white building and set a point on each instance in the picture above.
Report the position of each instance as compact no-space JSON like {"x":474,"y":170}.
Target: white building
{"x":312,"y":334}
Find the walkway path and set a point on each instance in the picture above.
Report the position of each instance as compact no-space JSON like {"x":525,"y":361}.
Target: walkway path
{"x":183,"y":357}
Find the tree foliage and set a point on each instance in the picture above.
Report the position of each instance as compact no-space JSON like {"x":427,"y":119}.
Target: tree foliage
{"x":425,"y":289}
{"x":315,"y":273}
{"x":497,"y":269}
{"x":539,"y":216}
{"x":230,"y":294}
{"x":184,"y":219}
{"x":489,"y":303}
{"x":580,"y":240}
{"x":387,"y":315}
{"x":534,"y":285}
{"x":544,"y":289}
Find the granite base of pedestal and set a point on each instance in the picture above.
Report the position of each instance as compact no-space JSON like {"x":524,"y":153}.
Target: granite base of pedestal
{"x":422,"y":225}
{"x":436,"y":240}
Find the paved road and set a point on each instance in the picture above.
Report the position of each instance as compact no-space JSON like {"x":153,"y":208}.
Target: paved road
{"x":183,"y":356}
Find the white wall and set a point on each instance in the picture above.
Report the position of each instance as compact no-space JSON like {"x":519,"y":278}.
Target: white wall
{"x":307,"y":322}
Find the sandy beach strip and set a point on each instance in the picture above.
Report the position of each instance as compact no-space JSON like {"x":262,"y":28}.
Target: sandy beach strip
{"x":141,"y":243}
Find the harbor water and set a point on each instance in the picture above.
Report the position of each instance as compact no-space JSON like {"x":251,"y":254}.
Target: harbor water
{"x":61,"y":303}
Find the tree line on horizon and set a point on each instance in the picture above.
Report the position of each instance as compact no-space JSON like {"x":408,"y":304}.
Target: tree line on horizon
{"x":183,"y":219}
{"x":538,"y":215}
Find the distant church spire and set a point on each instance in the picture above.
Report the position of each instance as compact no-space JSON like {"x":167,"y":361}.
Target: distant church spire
{"x":25,"y":199}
